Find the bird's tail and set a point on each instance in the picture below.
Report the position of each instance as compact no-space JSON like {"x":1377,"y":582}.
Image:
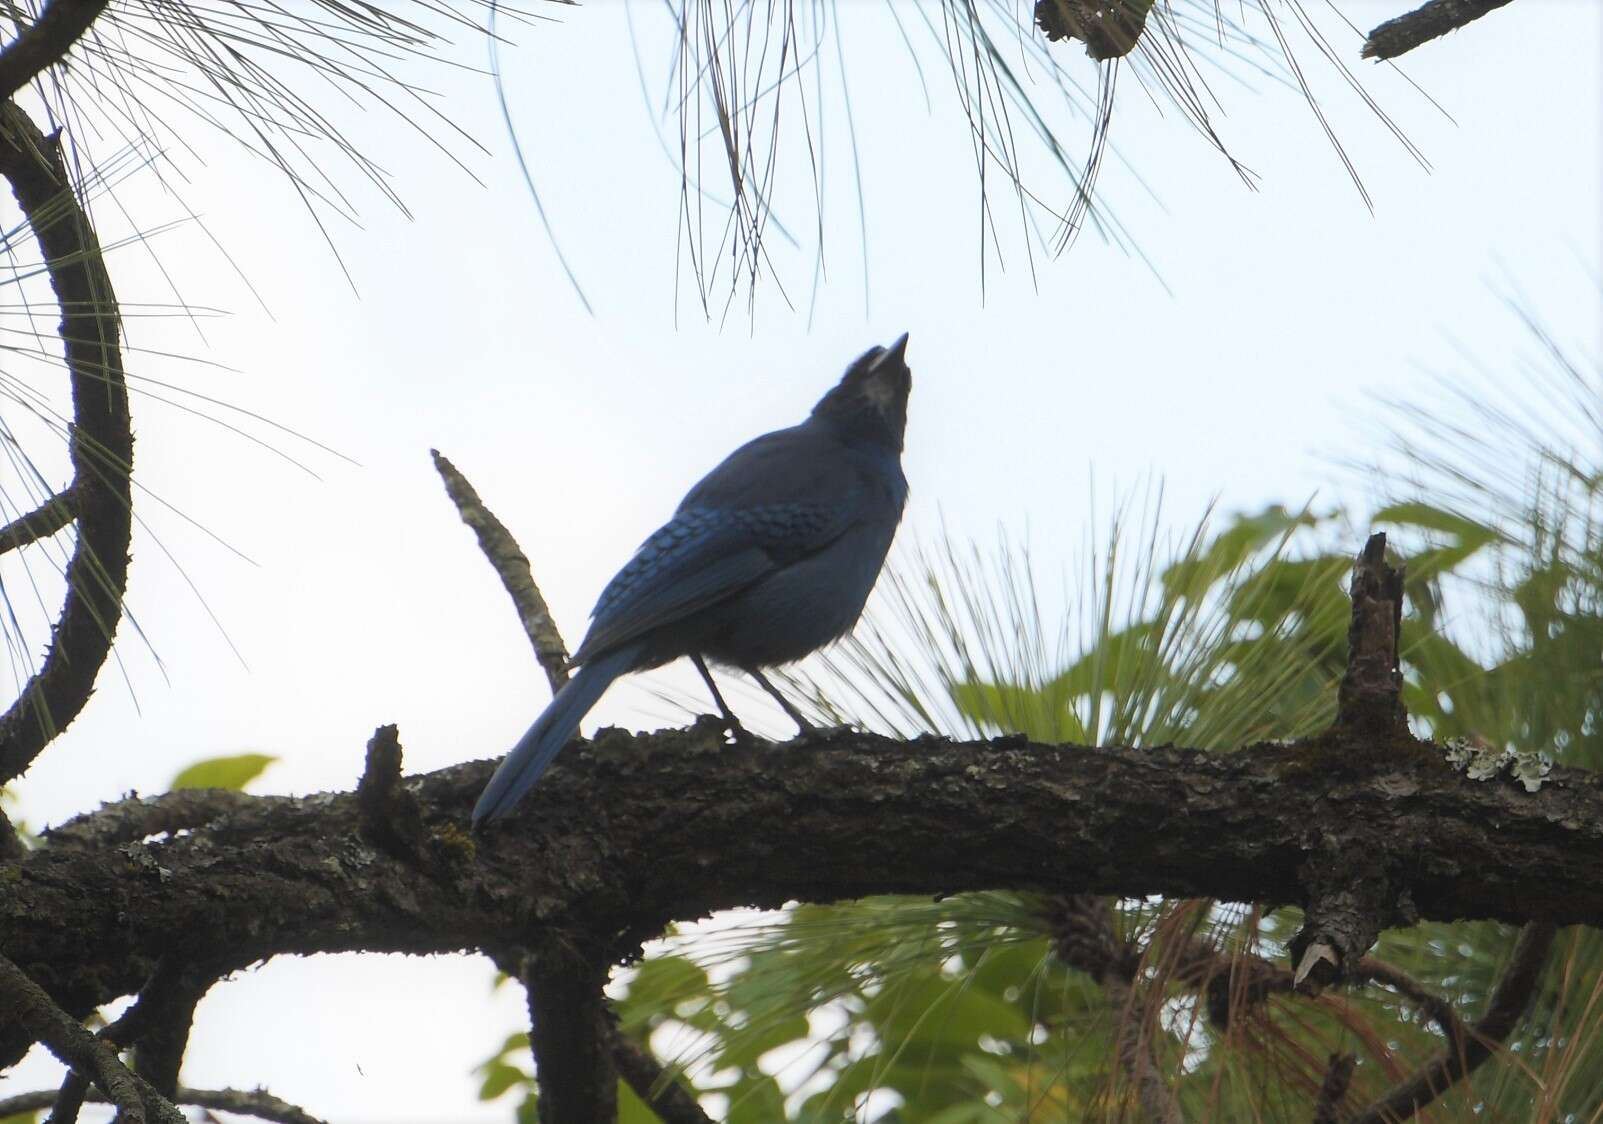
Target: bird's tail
{"x":534,"y":752}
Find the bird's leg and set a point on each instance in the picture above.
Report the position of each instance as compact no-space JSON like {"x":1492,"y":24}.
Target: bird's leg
{"x":731,"y":723}
{"x":802,"y":725}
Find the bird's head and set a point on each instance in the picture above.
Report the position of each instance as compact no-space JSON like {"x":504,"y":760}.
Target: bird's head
{"x":870,"y":401}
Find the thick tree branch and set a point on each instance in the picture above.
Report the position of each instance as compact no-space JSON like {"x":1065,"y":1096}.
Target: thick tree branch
{"x":40,"y":523}
{"x":246,"y":1102}
{"x":88,"y":1056}
{"x":1429,"y":21}
{"x":1510,"y":999}
{"x":101,"y":443}
{"x":630,"y":832}
{"x":45,"y":42}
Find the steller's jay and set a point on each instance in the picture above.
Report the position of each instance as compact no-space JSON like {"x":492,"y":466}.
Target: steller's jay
{"x":771,"y":556}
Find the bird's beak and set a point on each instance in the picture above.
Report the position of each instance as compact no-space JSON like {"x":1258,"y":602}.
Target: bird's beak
{"x":895,"y":353}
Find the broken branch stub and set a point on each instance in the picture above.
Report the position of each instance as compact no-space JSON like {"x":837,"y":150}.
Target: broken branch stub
{"x":1370,"y":700}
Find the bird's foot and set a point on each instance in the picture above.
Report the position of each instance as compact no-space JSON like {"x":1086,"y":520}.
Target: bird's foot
{"x":729,"y":726}
{"x":809,"y":734}
{"x":744,"y":738}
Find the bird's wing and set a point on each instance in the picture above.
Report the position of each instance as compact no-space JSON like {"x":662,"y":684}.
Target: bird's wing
{"x":771,"y":502}
{"x":696,"y":560}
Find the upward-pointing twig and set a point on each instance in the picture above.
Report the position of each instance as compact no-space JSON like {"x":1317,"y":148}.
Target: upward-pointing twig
{"x":512,"y":567}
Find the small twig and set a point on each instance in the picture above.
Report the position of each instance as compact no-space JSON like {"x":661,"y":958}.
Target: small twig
{"x":512,"y":566}
{"x":45,"y":42}
{"x":27,"y":1004}
{"x":40,"y":523}
{"x":390,"y":815}
{"x":247,"y":1102}
{"x":668,"y":1098}
{"x":1510,"y":999}
{"x":1436,"y":1008}
{"x":1334,"y":1090}
{"x":1429,"y":21}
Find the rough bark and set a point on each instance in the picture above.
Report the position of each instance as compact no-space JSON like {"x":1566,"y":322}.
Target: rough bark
{"x":631,"y":832}
{"x":1430,"y":20}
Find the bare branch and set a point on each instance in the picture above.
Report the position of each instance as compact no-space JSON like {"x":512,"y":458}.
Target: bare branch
{"x":246,"y":1102}
{"x":1430,"y":20}
{"x":1333,"y":1090}
{"x":45,"y":42}
{"x":1435,"y":1008}
{"x":1510,"y":999}
{"x":652,"y":1083}
{"x":40,"y":523}
{"x":512,"y":566}
{"x":101,"y":445}
{"x":27,"y":1005}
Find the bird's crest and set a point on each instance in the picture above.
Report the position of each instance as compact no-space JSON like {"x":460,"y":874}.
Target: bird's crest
{"x":871,"y":398}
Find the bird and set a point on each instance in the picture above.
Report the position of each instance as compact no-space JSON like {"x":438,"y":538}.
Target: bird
{"x":771,"y":556}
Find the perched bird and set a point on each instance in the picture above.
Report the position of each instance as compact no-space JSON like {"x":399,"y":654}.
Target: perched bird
{"x":771,"y":556}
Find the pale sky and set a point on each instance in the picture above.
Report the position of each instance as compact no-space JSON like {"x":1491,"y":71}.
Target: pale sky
{"x":1244,"y":374}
